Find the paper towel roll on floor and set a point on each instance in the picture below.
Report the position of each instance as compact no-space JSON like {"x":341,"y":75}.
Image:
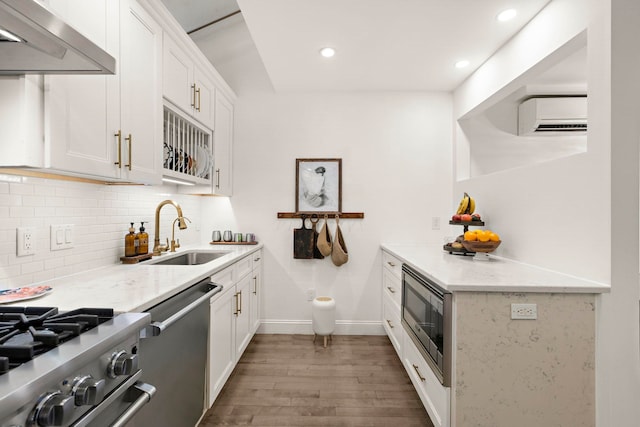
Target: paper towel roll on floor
{"x":323,"y":317}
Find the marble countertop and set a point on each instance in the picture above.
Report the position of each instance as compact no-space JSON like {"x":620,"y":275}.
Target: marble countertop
{"x":463,"y":273}
{"x":134,"y":287}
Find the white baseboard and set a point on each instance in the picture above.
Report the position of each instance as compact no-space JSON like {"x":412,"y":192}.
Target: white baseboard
{"x":304,"y":327}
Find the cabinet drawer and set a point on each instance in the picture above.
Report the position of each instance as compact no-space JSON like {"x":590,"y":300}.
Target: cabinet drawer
{"x":244,"y":267}
{"x":392,"y":264}
{"x":435,"y":397}
{"x":391,"y":286}
{"x":224,"y":277}
{"x":391,"y":323}
{"x":257,"y":259}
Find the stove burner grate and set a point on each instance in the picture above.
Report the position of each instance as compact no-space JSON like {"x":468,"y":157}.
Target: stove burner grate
{"x":26,"y":332}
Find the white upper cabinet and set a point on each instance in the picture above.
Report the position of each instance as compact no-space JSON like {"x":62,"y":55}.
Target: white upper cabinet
{"x":222,"y":146}
{"x":108,"y":126}
{"x":185,"y":85}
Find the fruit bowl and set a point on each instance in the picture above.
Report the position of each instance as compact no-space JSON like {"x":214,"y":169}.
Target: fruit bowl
{"x":476,"y":246}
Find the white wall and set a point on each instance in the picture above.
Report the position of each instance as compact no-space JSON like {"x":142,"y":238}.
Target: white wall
{"x":396,"y":154}
{"x":101,"y":215}
{"x":578,"y":215}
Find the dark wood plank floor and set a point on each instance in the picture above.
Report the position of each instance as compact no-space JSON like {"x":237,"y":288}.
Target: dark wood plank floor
{"x":287,"y":380}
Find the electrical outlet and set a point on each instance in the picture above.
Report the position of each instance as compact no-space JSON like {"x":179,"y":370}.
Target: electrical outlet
{"x":524,"y":311}
{"x":311,"y":294}
{"x":26,"y":241}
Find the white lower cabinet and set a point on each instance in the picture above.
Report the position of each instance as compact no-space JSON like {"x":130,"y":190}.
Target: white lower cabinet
{"x":233,"y":320}
{"x":255,"y":292}
{"x":221,"y":342}
{"x":242,"y":313}
{"x":435,"y":397}
{"x":391,"y":323}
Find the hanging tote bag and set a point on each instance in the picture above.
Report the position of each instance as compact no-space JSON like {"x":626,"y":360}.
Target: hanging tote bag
{"x":324,"y":239}
{"x":339,"y":253}
{"x":303,"y":241}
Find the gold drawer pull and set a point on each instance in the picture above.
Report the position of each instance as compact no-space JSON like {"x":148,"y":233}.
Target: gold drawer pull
{"x":391,"y":263}
{"x":393,"y":291}
{"x":418,"y":372}
{"x":130,"y":141}
{"x":390,"y":325}
{"x":255,"y":285}
{"x":119,"y":162}
{"x":193,"y":95}
{"x":237,"y":308}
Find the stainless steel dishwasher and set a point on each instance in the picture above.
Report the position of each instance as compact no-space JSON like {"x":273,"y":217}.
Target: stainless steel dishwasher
{"x":173,"y":352}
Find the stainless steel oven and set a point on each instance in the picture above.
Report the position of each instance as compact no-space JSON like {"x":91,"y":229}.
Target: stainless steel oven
{"x":426,"y":316}
{"x":70,"y":369}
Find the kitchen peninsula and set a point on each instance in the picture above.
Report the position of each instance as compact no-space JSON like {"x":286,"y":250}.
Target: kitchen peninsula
{"x":540,"y":371}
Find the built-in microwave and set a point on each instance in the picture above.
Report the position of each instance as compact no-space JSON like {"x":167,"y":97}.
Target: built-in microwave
{"x":426,"y":316}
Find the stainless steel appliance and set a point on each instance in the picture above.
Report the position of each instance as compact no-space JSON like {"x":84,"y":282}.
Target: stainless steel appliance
{"x":69,"y":369}
{"x":426,"y":316}
{"x":175,"y":358}
{"x":35,"y":40}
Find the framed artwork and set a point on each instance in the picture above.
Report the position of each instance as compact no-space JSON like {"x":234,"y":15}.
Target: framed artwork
{"x":319,"y":185}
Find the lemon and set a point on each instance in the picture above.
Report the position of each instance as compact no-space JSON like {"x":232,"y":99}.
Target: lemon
{"x":470,"y":236}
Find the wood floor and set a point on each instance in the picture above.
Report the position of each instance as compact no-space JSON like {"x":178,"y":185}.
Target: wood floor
{"x":287,"y":380}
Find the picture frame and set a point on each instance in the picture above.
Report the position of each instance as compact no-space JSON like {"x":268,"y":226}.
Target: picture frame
{"x":319,"y":185}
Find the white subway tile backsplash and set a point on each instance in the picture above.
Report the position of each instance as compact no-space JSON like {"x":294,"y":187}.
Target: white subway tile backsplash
{"x":101,"y":215}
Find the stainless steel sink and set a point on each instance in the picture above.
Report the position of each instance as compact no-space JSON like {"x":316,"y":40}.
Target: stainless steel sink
{"x":191,"y":258}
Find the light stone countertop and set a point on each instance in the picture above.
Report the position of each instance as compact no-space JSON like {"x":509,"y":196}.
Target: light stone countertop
{"x":134,"y":287}
{"x":463,"y":273}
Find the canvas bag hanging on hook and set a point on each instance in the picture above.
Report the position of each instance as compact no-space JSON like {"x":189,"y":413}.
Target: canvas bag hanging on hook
{"x":303,"y":241}
{"x":324,"y":238}
{"x":339,"y":254}
{"x":316,"y":252}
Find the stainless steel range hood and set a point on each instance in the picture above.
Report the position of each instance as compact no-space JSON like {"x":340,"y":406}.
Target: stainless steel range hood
{"x":47,"y":45}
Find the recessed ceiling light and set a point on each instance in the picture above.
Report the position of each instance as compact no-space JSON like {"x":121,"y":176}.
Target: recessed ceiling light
{"x":327,"y":52}
{"x":506,"y":15}
{"x":462,"y":64}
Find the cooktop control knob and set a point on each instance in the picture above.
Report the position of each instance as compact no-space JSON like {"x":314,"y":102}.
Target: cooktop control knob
{"x":87,"y":390}
{"x":122,"y":363}
{"x":54,"y":409}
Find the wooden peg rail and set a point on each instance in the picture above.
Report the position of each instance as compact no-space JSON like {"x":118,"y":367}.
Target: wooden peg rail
{"x":342,"y":215}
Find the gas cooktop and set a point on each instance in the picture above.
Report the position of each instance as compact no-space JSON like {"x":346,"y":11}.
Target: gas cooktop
{"x":26,"y":332}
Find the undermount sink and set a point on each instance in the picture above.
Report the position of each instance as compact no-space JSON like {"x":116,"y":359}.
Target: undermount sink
{"x":192,"y":258}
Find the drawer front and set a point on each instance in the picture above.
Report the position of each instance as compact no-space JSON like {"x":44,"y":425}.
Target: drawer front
{"x":391,"y":263}
{"x":257,"y":259}
{"x":224,"y":277}
{"x":244,"y":267}
{"x":392,"y":286}
{"x":391,"y":323}
{"x":435,"y":397}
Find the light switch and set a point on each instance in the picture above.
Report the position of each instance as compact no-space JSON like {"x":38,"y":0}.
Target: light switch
{"x":61,"y":236}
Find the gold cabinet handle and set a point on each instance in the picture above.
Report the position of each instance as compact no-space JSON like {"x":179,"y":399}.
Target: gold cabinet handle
{"x":419,"y":374}
{"x":240,"y":298}
{"x":389,"y":323}
{"x":393,"y":291}
{"x":130,"y":141}
{"x":237,"y":309}
{"x":193,"y":95}
{"x":391,"y":263}
{"x":217,"y":178}
{"x":119,"y":162}
{"x":255,"y":285}
{"x":198,"y":107}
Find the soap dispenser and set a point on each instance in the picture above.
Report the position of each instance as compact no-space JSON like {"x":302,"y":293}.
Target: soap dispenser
{"x":130,"y":242}
{"x":143,"y":241}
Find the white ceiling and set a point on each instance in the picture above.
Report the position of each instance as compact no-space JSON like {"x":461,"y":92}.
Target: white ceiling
{"x":380,"y":44}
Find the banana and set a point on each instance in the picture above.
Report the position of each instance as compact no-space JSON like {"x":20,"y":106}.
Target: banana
{"x":464,"y":204}
{"x":472,"y":206}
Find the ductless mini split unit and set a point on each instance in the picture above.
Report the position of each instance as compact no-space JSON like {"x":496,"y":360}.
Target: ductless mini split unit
{"x":552,"y":116}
